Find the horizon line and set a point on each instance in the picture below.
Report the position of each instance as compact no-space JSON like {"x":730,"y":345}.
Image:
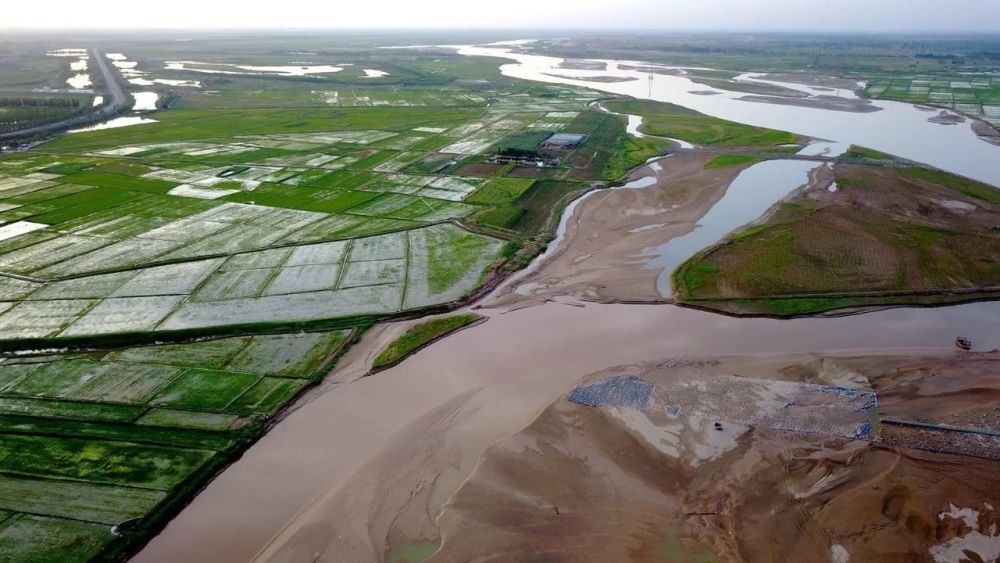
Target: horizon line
{"x":400,"y":29}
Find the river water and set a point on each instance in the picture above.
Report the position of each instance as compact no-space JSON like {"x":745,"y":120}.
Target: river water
{"x":899,"y":128}
{"x":305,"y":487}
{"x":748,"y":197}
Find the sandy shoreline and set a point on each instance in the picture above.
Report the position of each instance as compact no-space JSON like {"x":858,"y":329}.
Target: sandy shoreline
{"x":611,"y":230}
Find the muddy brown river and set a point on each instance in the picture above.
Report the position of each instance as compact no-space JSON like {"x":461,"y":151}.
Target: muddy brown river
{"x":314,"y":471}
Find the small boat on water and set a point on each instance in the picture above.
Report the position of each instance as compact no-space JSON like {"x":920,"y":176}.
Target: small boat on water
{"x":963,"y":344}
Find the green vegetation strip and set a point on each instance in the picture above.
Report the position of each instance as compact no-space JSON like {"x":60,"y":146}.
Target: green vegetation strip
{"x":419,"y":336}
{"x":728,"y":160}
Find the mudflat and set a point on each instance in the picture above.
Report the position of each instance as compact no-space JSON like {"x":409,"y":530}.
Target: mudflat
{"x":696,"y":480}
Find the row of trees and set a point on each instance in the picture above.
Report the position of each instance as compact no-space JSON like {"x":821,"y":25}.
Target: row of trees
{"x":17,"y":112}
{"x":39,"y":102}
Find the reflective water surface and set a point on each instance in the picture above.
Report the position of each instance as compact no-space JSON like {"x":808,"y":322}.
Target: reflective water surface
{"x":898,"y":128}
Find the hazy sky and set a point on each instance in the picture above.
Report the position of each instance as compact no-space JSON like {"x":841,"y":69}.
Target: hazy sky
{"x":800,"y":15}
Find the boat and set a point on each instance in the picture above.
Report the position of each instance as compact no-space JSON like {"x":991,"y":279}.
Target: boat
{"x":963,"y":344}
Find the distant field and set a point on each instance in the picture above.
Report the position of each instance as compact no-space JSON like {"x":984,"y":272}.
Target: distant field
{"x":885,"y":236}
{"x":974,"y":95}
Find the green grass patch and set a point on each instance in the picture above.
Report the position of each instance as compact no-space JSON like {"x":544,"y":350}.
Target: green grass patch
{"x":504,"y":216}
{"x":188,"y":419}
{"x":69,"y":410}
{"x":729,"y":160}
{"x":863,"y":152}
{"x":27,"y":538}
{"x":289,"y":355}
{"x":538,"y":204}
{"x":106,"y":504}
{"x":123,"y":463}
{"x":962,"y":185}
{"x":419,"y":336}
{"x":632,"y":152}
{"x":83,"y":203}
{"x":525,"y":140}
{"x":374,"y":159}
{"x":67,"y":168}
{"x":746,"y":233}
{"x":180,"y":437}
{"x":691,"y":276}
{"x":211,"y":354}
{"x":500,"y":191}
{"x":268,"y":395}
{"x":119,"y":181}
{"x":668,"y":120}
{"x":204,"y":389}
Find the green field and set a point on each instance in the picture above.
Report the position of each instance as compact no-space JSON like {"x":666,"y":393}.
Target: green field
{"x":976,"y":95}
{"x":94,"y":440}
{"x":866,"y":244}
{"x":667,"y":120}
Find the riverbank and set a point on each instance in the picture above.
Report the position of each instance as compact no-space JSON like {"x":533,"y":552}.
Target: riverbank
{"x":611,"y":230}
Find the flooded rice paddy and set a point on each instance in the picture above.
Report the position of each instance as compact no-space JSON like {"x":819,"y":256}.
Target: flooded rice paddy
{"x":145,"y":101}
{"x":80,"y":80}
{"x":126,"y":121}
{"x":131,"y":72}
{"x":230,"y":68}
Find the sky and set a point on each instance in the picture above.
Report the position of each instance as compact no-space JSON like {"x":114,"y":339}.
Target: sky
{"x":753,"y":15}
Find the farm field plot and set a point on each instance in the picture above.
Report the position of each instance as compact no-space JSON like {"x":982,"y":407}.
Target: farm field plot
{"x":976,"y":95}
{"x":375,"y":275}
{"x":94,"y":446}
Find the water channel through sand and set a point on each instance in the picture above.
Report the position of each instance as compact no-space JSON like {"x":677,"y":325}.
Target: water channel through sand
{"x":361,"y":460}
